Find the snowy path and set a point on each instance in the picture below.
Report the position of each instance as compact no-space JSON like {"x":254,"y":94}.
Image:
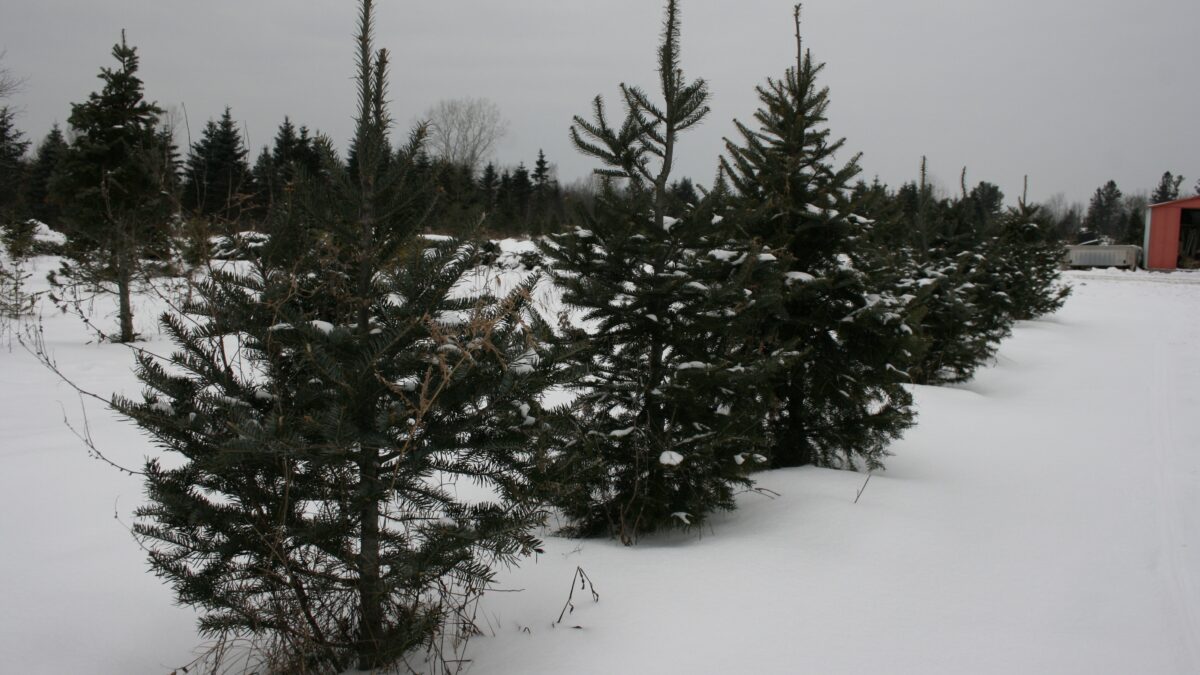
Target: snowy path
{"x":1043,"y":519}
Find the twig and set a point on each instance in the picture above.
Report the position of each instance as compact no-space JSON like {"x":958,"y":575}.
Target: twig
{"x":585,"y":583}
{"x":863,"y":489}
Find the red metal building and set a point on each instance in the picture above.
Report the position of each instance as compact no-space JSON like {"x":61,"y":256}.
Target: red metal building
{"x":1173,"y":234}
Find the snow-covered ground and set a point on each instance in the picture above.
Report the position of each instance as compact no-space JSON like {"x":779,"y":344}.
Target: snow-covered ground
{"x":1044,"y":518}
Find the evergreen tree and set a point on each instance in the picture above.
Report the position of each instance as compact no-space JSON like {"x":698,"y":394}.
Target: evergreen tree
{"x":1032,"y":257}
{"x":292,"y":155}
{"x":541,"y":173}
{"x":982,"y":206}
{"x":13,"y":147}
{"x":668,"y":418}
{"x":315,"y":504}
{"x":946,"y":257}
{"x":683,"y":191}
{"x":1106,"y":215}
{"x":520,"y":193}
{"x":217,"y":175}
{"x":294,"y":160}
{"x":546,"y":212}
{"x":489,"y":184}
{"x":116,"y":183}
{"x":1134,"y":230}
{"x":1167,"y":189}
{"x":262,"y":177}
{"x":167,"y":159}
{"x":841,"y":401}
{"x":46,"y":162}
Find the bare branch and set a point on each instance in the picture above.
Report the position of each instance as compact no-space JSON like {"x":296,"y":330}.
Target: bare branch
{"x":465,"y":130}
{"x":9,"y":84}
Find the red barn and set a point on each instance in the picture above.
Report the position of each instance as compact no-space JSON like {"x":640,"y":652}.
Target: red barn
{"x":1173,"y":234}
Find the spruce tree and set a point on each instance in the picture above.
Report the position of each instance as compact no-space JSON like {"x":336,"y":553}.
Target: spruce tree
{"x":668,"y":415}
{"x":13,"y":147}
{"x":1167,"y":189}
{"x":541,"y":172}
{"x":1031,"y":257}
{"x":840,"y":404}
{"x":323,"y":415}
{"x":489,"y":184}
{"x":1106,"y":213}
{"x":116,"y":183}
{"x":262,"y":178}
{"x":217,"y":176}
{"x":944,"y":254}
{"x":519,"y":196}
{"x":46,"y":162}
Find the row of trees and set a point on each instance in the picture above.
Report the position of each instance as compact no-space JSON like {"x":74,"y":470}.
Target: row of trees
{"x":325,"y":401}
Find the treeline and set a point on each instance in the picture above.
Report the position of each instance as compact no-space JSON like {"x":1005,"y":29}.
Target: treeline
{"x":330,"y":393}
{"x":216,"y":184}
{"x":1113,"y":216}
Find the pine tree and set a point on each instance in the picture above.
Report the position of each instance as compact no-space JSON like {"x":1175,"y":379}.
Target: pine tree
{"x":217,"y":176}
{"x":841,"y":401}
{"x":294,"y":160}
{"x":116,"y":182}
{"x":489,"y":184}
{"x":262,"y":177}
{"x":13,"y":147}
{"x":1031,"y":256}
{"x":546,"y":212}
{"x":683,"y":191}
{"x":313,"y":502}
{"x":520,"y":194}
{"x":541,"y":172}
{"x":46,"y":163}
{"x":1106,"y":215}
{"x":668,"y":418}
{"x":1167,"y":189}
{"x":945,"y":257}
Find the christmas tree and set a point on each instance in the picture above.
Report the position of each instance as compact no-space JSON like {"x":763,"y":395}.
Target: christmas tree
{"x":668,"y":418}
{"x":841,"y":403}
{"x":322,"y":419}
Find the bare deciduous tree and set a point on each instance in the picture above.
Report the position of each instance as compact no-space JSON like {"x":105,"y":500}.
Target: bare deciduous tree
{"x":9,"y":83}
{"x":465,"y":130}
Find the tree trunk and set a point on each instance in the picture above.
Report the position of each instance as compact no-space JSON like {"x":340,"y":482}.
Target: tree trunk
{"x":124,"y":271}
{"x":370,"y":594}
{"x":792,"y":448}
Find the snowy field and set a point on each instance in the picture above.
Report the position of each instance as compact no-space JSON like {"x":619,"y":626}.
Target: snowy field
{"x":1044,"y":518}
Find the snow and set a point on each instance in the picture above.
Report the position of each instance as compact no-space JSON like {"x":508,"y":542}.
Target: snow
{"x":163,"y":408}
{"x":322,"y":326}
{"x":44,"y":235}
{"x":1043,"y":518}
{"x":799,"y":278}
{"x":670,"y":458}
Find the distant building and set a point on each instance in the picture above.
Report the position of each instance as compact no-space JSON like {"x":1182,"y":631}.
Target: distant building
{"x":1173,"y":234}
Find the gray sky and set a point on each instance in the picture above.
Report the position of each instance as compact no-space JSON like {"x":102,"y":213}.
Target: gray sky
{"x":1072,"y":93}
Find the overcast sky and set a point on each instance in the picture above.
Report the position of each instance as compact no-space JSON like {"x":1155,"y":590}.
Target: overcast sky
{"x":1071,"y":93}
